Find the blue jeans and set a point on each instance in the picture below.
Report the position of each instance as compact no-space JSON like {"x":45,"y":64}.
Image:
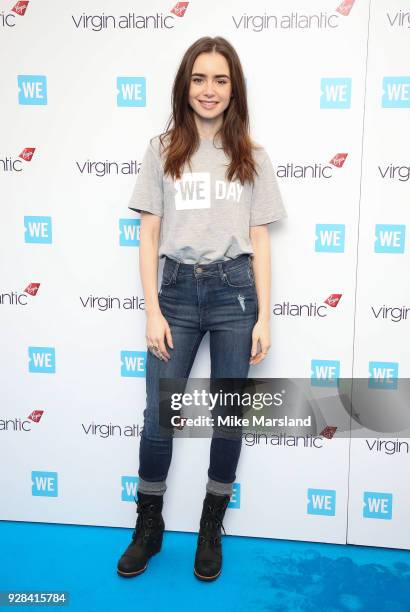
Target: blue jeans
{"x":221,"y":298}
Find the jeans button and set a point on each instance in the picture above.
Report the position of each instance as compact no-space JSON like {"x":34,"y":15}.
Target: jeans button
{"x":199,"y":270}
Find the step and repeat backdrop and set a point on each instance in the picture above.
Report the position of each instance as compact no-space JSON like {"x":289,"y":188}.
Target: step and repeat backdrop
{"x":85,"y":85}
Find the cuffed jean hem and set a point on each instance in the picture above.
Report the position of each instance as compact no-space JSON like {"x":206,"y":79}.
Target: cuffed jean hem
{"x":152,"y":488}
{"x":219,"y":488}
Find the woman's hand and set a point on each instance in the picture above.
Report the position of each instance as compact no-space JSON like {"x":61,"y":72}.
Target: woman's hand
{"x":261,"y":334}
{"x":157,"y":329}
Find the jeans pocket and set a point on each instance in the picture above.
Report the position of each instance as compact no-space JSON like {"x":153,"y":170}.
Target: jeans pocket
{"x":168,"y":272}
{"x":242,"y":276}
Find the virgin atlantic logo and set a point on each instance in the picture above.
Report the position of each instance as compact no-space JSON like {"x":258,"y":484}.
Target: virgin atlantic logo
{"x":130,"y":21}
{"x":20,"y":7}
{"x":19,"y":424}
{"x":345,"y":8}
{"x":312,"y":170}
{"x":338,"y":160}
{"x":333,"y":299}
{"x":18,"y":298}
{"x":36,"y":415}
{"x":13,"y":164}
{"x":296,"y":20}
{"x":308,"y":309}
{"x":8,"y":20}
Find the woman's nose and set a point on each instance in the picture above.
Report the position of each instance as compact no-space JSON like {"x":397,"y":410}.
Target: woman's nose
{"x":209,"y":88}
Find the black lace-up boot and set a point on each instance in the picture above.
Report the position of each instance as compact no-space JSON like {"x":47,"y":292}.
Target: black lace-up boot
{"x":208,"y":557}
{"x":146,"y":537}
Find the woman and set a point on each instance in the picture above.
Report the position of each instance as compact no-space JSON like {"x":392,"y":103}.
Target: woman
{"x":206,"y":193}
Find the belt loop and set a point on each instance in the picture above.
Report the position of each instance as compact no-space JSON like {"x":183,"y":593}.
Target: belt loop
{"x":221,"y":270}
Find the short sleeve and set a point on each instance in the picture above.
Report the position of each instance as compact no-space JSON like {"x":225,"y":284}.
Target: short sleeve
{"x":267,"y":203}
{"x":147,"y":194}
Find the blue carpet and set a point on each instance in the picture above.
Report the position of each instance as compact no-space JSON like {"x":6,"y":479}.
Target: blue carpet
{"x":257,"y":573}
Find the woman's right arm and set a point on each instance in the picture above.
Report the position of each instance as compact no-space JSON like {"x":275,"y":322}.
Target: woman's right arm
{"x":157,"y":328}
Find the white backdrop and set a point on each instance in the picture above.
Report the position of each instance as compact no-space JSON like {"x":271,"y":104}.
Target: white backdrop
{"x":329,"y":96}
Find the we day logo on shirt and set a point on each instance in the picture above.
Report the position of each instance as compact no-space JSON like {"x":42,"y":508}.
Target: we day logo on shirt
{"x":193,"y":191}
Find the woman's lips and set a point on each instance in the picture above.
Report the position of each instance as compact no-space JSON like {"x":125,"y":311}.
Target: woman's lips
{"x":207,"y":104}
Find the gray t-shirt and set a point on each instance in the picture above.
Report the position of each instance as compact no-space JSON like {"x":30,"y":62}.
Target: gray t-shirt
{"x":206,"y":218}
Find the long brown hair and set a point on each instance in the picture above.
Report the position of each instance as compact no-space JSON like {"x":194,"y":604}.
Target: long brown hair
{"x":181,"y":131}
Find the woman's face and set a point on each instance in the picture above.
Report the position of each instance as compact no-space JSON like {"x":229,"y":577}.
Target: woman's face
{"x":210,"y":87}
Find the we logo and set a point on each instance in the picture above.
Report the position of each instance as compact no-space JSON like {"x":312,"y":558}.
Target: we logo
{"x":38,"y":230}
{"x":321,"y":501}
{"x":41,"y":359}
{"x":235,"y":501}
{"x":330,"y":238}
{"x":324,"y":373}
{"x":389,"y":238}
{"x":193,"y":191}
{"x":44,"y":484}
{"x":131,"y":91}
{"x":129,"y":485}
{"x":377,"y":505}
{"x":383,"y":374}
{"x":32,"y":89}
{"x":130,"y":232}
{"x":335,"y":92}
{"x":133,"y":363}
{"x":396,"y":92}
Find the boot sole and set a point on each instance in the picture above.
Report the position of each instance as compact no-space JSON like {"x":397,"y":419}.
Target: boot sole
{"x":132,"y":574}
{"x":207,"y":578}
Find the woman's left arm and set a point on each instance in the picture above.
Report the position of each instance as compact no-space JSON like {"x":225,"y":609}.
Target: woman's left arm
{"x":259,"y":236}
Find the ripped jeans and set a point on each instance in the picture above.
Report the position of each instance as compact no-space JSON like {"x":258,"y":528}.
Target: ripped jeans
{"x":221,"y":298}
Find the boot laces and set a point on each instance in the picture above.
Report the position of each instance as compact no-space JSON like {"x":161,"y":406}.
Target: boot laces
{"x":145,"y":523}
{"x":213,"y":522}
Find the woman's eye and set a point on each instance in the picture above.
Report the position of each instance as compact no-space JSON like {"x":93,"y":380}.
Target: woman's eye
{"x":198,"y":79}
